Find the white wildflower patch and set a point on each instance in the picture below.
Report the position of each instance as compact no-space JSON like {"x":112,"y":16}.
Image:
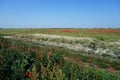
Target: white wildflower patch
{"x":115,"y":43}
{"x":84,"y":44}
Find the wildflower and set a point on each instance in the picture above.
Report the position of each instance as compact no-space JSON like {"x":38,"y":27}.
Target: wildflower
{"x":78,"y":61}
{"x":28,"y":74}
{"x":110,"y":69}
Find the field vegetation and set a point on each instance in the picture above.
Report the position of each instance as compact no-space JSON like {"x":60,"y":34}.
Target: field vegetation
{"x":102,"y":34}
{"x":59,"y":54}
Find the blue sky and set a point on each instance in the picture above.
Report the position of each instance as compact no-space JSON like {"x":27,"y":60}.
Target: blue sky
{"x":59,"y":13}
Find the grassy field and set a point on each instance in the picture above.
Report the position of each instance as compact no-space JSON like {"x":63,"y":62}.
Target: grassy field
{"x":102,"y":34}
{"x":49,"y":54}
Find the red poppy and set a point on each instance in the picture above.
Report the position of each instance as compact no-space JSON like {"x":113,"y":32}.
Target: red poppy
{"x":78,"y":61}
{"x":28,"y":74}
{"x":110,"y":69}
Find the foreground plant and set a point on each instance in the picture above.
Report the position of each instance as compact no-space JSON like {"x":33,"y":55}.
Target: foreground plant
{"x":49,"y":64}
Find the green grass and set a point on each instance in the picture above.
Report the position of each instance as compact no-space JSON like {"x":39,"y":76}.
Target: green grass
{"x":20,"y":58}
{"x":101,"y":34}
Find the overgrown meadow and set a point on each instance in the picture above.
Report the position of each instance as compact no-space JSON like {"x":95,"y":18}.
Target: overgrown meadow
{"x":59,"y":54}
